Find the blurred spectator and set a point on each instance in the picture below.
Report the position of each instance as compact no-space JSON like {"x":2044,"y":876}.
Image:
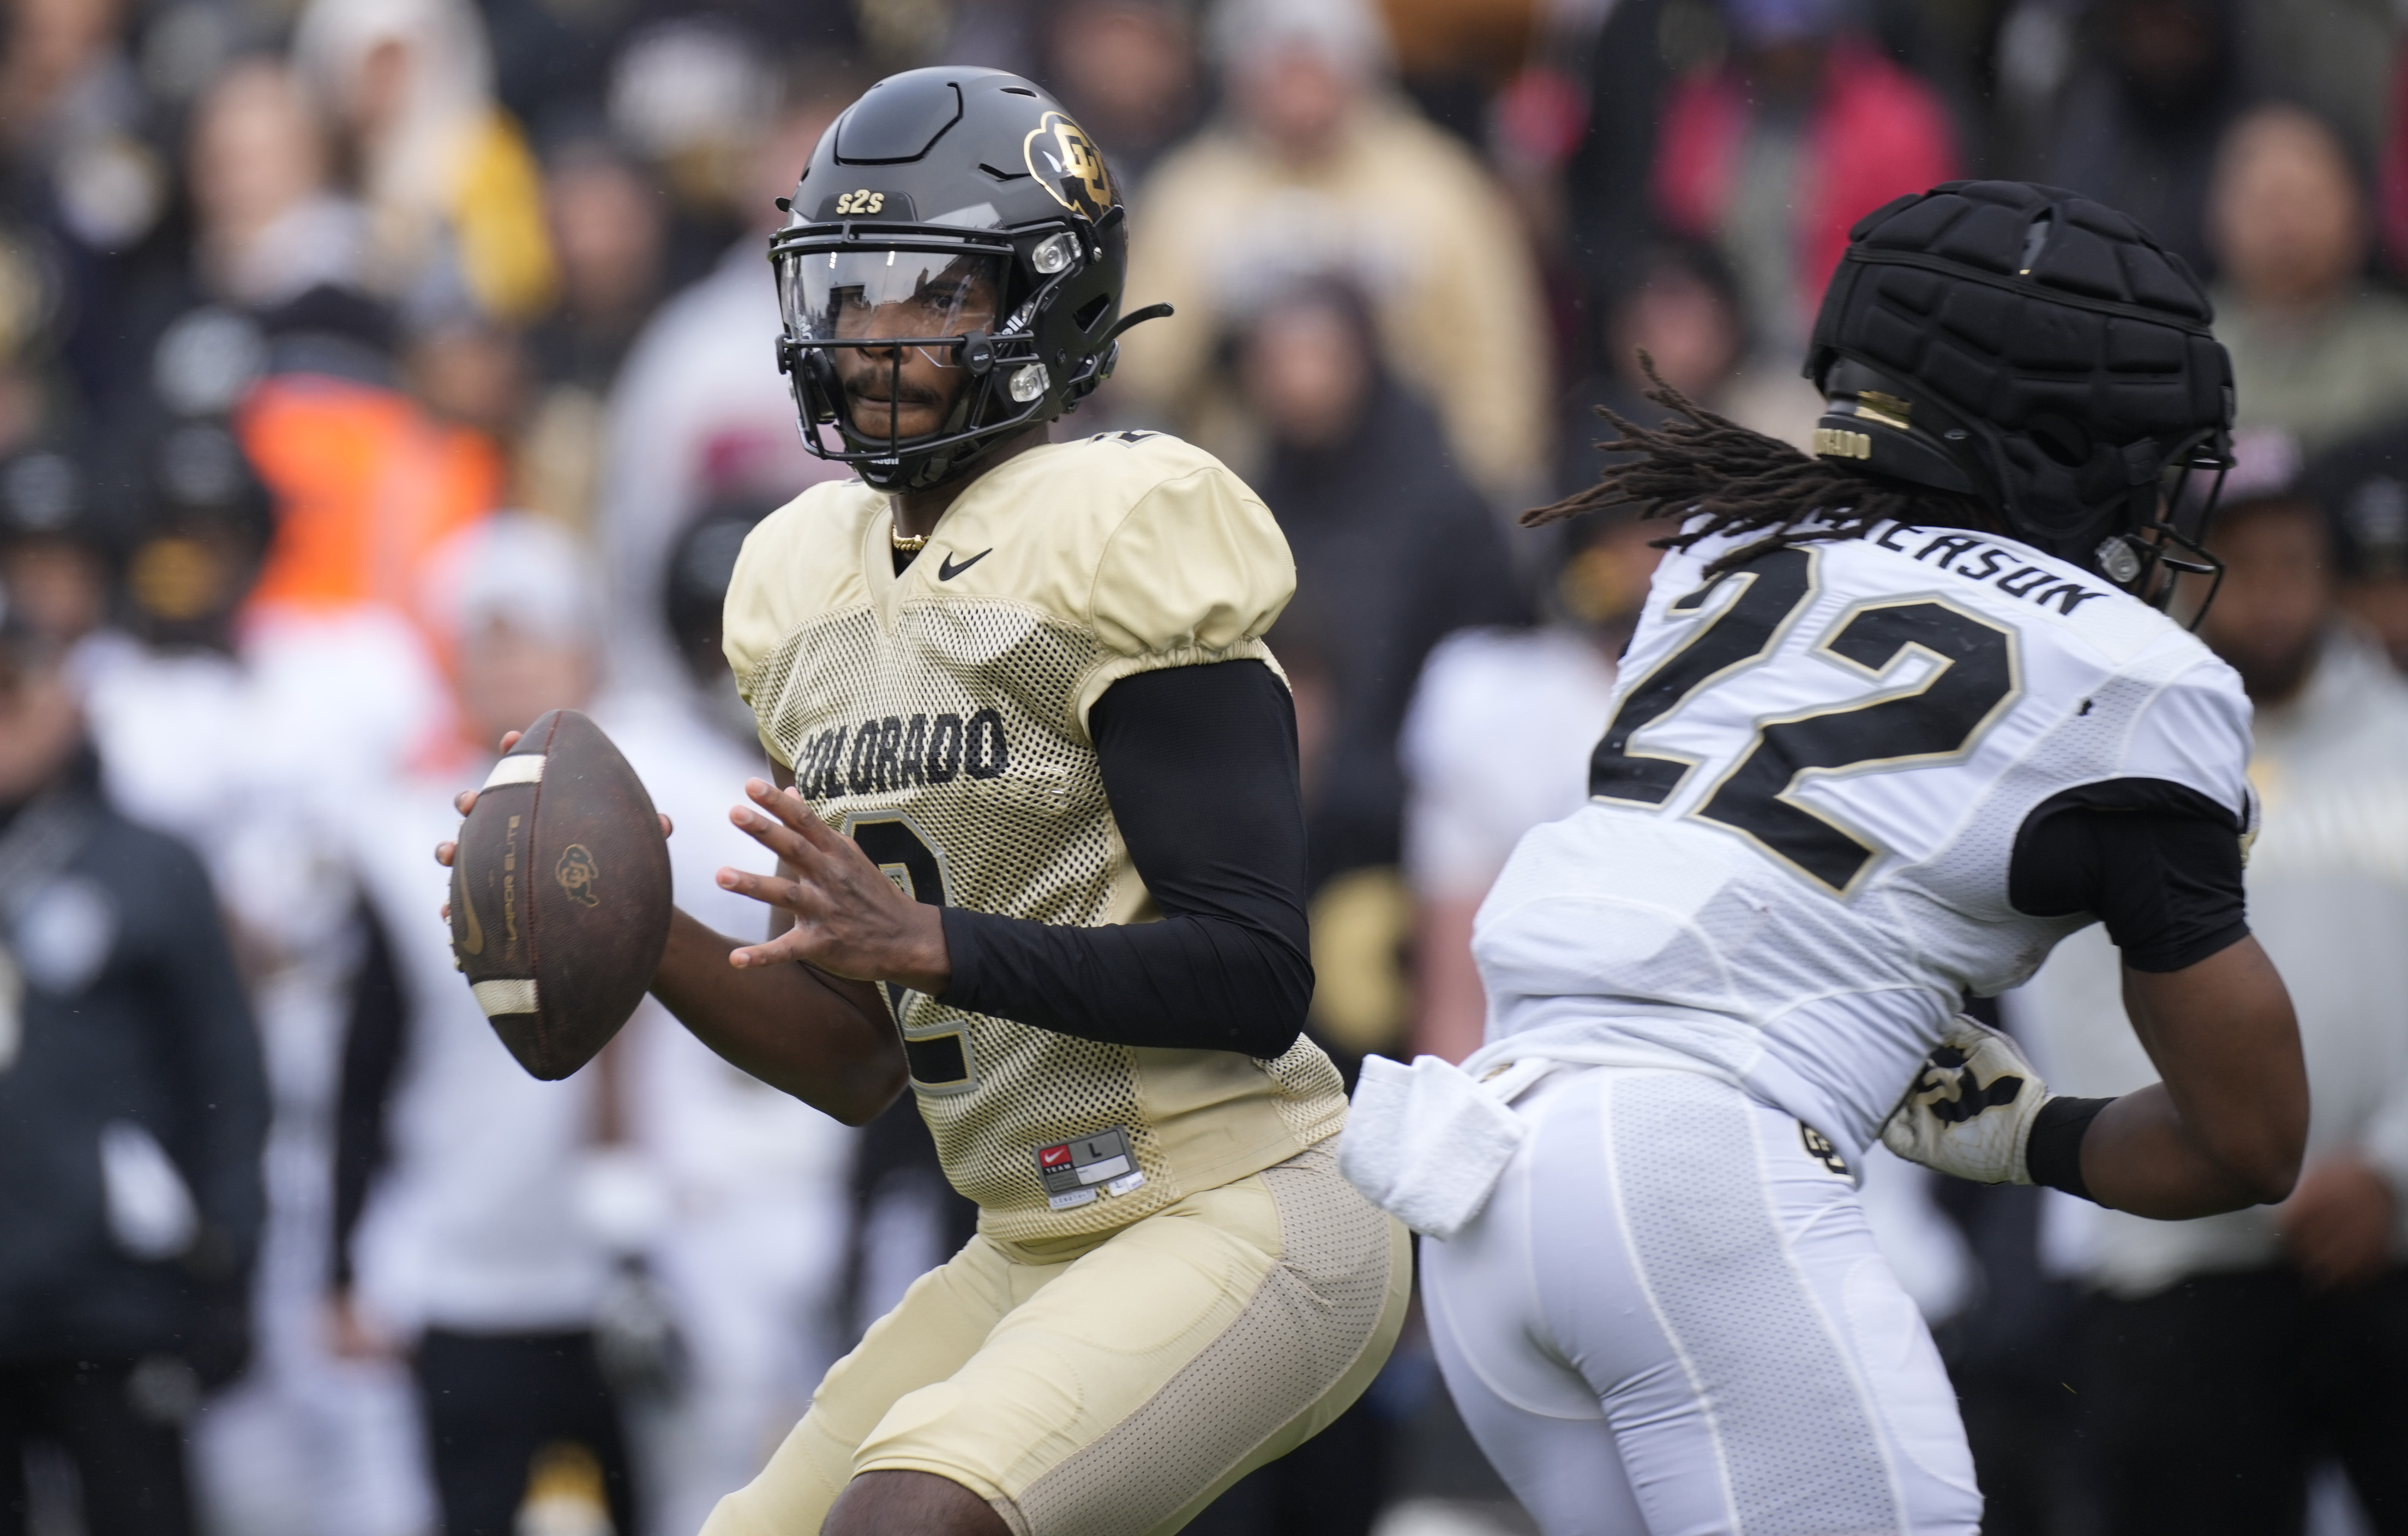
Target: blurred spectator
{"x":2335,"y":55}
{"x":2140,"y":120}
{"x":1128,"y":70}
{"x":456,"y":1228}
{"x":366,"y":485}
{"x":1497,"y":740}
{"x":700,"y":413}
{"x":79,"y":163}
{"x":453,"y":196}
{"x":132,"y":1109}
{"x":198,"y":739}
{"x":1683,"y":309}
{"x":1393,"y":550}
{"x":609,"y":233}
{"x":2315,"y":350}
{"x":1452,"y":55}
{"x":694,"y":95}
{"x":268,"y":226}
{"x":2363,"y":487}
{"x":1774,"y":154}
{"x":1317,"y":166}
{"x":57,"y":566}
{"x":609,"y":230}
{"x":2226,"y":1356}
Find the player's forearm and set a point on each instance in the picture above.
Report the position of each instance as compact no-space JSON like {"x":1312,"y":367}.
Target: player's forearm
{"x":2139,"y":1156}
{"x":2229,"y":1124}
{"x":822,"y":1039}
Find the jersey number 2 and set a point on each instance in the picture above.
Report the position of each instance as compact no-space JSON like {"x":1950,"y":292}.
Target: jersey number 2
{"x":939,"y":1062}
{"x":1935,"y":719}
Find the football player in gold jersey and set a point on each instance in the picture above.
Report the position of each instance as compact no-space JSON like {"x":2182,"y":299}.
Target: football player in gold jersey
{"x":1041,"y":850}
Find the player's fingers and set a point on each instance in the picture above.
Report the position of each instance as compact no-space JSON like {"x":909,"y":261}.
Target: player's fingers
{"x":789,"y":807}
{"x":790,"y":894}
{"x":464,"y":801}
{"x":445,"y":852}
{"x":668,"y":828}
{"x":511,"y":738}
{"x":775,"y":836}
{"x":795,"y":943}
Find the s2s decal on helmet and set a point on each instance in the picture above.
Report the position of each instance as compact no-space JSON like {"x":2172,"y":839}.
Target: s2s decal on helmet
{"x":1066,"y":163}
{"x":864,"y":201}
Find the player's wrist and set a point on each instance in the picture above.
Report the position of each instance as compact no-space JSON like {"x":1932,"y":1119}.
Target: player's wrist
{"x":2053,"y":1144}
{"x":920,"y":958}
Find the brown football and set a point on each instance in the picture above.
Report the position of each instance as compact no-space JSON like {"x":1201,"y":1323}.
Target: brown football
{"x":560,"y":893}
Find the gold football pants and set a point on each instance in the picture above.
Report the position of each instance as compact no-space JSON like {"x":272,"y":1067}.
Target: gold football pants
{"x":1115,"y":1383}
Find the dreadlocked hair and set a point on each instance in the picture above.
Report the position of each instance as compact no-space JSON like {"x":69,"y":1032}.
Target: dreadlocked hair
{"x":1722,"y":478}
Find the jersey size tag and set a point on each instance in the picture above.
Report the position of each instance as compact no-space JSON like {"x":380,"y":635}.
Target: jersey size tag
{"x":1073,"y":1170}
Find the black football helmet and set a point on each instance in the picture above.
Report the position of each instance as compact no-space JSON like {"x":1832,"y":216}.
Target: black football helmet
{"x":969,"y":202}
{"x":2040,"y":352}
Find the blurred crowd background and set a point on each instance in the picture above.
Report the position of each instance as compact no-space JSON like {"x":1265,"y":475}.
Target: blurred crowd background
{"x":375,"y":374}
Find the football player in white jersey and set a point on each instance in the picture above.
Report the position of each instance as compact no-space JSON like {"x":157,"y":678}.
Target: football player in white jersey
{"x":1897,"y":717}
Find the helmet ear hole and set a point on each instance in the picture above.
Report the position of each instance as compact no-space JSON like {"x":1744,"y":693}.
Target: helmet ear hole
{"x":2061,"y":437}
{"x":1091,"y":314}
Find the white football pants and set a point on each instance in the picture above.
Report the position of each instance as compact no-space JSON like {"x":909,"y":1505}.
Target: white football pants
{"x":1670,"y":1320}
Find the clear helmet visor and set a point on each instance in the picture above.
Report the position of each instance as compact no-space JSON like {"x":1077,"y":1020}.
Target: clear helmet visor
{"x":884,"y":297}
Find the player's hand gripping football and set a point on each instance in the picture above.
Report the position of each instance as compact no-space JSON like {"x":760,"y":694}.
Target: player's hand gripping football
{"x":1969,"y":1111}
{"x":850,"y":919}
{"x":465,"y":801}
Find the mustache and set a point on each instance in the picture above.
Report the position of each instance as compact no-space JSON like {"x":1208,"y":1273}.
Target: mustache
{"x":889,"y":387}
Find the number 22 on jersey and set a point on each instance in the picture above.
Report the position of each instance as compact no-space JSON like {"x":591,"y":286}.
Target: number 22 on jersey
{"x":1970,"y":680}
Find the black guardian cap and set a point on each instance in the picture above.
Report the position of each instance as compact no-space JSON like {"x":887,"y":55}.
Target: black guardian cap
{"x":968,"y":200}
{"x":2037,"y":352}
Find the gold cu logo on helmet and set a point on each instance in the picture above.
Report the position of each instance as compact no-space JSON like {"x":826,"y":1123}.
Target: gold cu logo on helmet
{"x":1067,"y":163}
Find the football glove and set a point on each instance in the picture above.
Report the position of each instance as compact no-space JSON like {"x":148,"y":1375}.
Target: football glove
{"x":1968,"y":1112}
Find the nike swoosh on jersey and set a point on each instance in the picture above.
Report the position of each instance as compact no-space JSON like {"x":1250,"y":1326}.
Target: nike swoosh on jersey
{"x":947,"y":570}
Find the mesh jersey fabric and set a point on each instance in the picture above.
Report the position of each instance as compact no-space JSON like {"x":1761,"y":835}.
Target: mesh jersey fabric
{"x":1796,"y":856}
{"x":941,"y":717}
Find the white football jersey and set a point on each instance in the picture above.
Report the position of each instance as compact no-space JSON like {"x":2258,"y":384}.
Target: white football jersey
{"x":1795,"y":853}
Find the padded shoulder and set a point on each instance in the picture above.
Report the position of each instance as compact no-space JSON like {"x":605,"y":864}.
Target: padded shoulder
{"x":801,"y":561}
{"x":2196,"y":730}
{"x":1150,"y":545}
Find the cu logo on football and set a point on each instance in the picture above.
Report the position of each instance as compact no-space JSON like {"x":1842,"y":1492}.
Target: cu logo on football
{"x":576,"y":873}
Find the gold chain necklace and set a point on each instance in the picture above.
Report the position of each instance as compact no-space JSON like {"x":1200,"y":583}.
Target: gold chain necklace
{"x":905,"y":543}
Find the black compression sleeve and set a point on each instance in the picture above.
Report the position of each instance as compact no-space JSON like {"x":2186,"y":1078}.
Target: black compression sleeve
{"x":1200,"y":764}
{"x":2158,"y":865}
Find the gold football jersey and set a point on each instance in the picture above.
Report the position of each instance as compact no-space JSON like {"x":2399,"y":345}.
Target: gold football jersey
{"x":939,"y":718}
